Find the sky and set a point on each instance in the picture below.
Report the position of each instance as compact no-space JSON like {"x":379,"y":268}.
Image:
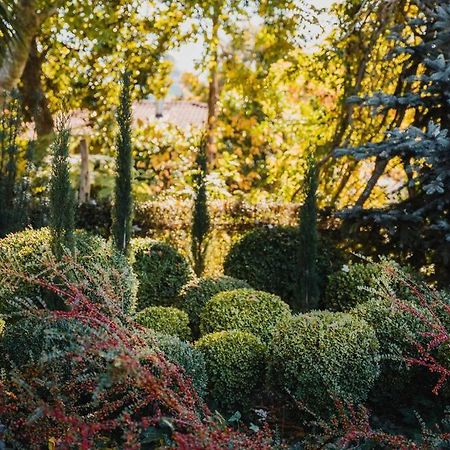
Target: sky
{"x":187,"y":54}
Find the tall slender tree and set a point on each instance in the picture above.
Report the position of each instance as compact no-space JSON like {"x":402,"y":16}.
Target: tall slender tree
{"x":62,"y":195}
{"x":123,"y":200}
{"x":13,"y":181}
{"x":309,"y":240}
{"x":200,"y":218}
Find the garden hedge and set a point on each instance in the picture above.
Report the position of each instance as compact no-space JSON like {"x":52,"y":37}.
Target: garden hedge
{"x":165,"y":319}
{"x":267,"y":259}
{"x":323,"y":356}
{"x":195,"y":295}
{"x":161,"y":270}
{"x":248,"y":310}
{"x":235,"y":362}
{"x":28,"y":253}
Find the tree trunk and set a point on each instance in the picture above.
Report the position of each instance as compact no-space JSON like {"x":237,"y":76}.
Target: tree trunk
{"x":85,"y":177}
{"x":213,"y":95}
{"x":34,"y":99}
{"x":13,"y":63}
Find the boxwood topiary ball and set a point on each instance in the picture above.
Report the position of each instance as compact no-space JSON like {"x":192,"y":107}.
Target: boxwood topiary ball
{"x":195,"y":295}
{"x":161,"y":270}
{"x":323,"y":356}
{"x":235,"y":362}
{"x":165,"y":319}
{"x":267,"y":258}
{"x":248,"y":310}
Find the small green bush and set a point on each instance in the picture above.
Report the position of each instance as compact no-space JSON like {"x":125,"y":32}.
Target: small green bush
{"x":323,"y":356}
{"x":161,"y":272}
{"x":235,"y":363}
{"x":267,"y":258}
{"x":195,"y":295}
{"x":248,"y":310}
{"x":352,"y":285}
{"x":186,"y":356}
{"x":166,"y":320}
{"x":29,"y":252}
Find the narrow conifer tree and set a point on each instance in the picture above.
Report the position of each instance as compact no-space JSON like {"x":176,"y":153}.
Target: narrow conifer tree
{"x":62,"y":195}
{"x":200,"y":217}
{"x":123,"y":203}
{"x":309,"y":240}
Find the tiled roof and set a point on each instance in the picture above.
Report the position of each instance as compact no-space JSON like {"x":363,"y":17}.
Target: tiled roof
{"x":183,"y":114}
{"x":180,"y":113}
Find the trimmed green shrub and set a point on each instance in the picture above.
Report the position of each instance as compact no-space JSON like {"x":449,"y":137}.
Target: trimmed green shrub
{"x":267,"y":258}
{"x":161,"y":270}
{"x":323,"y":356}
{"x":352,"y":285}
{"x":166,"y":320}
{"x":235,"y":363}
{"x":248,"y":310}
{"x":186,"y":356}
{"x":195,"y":295}
{"x":30,"y":252}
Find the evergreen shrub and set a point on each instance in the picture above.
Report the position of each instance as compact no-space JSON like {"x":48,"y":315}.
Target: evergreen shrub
{"x":161,"y":270}
{"x":322,"y":357}
{"x":267,"y":258}
{"x":194,"y":296}
{"x":235,"y":362}
{"x":29,"y":252}
{"x":165,"y":319}
{"x":248,"y":310}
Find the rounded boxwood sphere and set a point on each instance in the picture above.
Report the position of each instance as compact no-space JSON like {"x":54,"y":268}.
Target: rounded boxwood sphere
{"x":235,"y":363}
{"x":195,"y":295}
{"x":248,"y":310}
{"x":267,"y":258}
{"x":28,"y":254}
{"x":161,"y":270}
{"x":165,"y":319}
{"x":323,"y":356}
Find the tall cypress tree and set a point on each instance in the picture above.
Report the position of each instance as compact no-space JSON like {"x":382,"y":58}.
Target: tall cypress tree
{"x":14,"y":186}
{"x":123,"y":205}
{"x":62,"y":195}
{"x":308,"y":292}
{"x":200,"y":218}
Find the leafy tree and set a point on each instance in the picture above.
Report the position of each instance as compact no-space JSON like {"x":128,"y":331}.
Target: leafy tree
{"x":417,"y":224}
{"x":68,"y":47}
{"x":200,"y":218}
{"x":123,"y":204}
{"x":219,"y":18}
{"x":62,"y":195}
{"x":309,"y":240}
